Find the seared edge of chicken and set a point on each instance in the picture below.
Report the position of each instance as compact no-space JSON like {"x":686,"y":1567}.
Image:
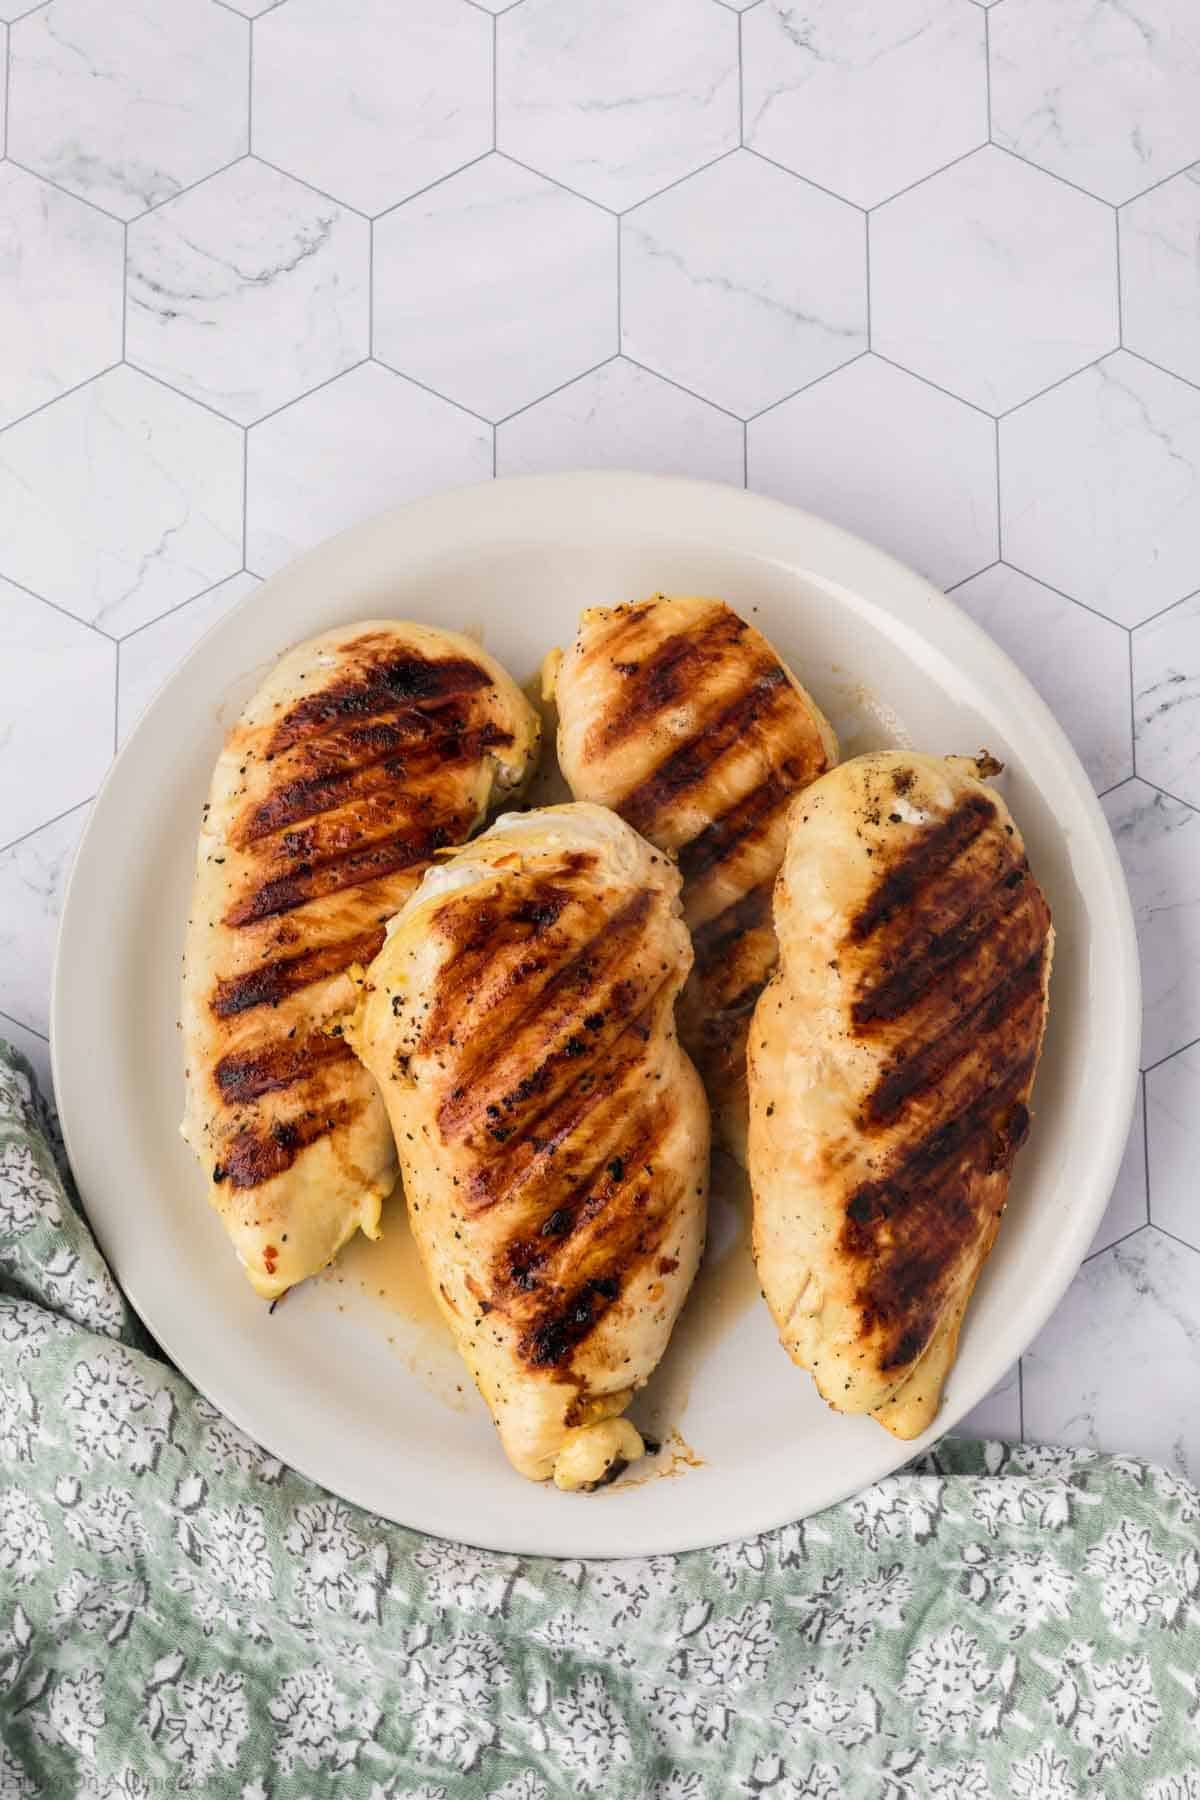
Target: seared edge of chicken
{"x":552,"y":1134}
{"x":681,"y":716}
{"x":892,"y":1059}
{"x":365,"y":752}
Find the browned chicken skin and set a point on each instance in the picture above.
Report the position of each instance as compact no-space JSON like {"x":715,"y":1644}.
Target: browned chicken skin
{"x":892,"y":1059}
{"x":365,"y":752}
{"x":552,"y":1134}
{"x":680,"y":715}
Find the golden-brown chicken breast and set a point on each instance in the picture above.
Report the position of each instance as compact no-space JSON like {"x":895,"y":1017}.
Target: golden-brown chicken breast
{"x":892,"y":1058}
{"x":365,"y":752}
{"x":552,"y":1134}
{"x":680,"y":715}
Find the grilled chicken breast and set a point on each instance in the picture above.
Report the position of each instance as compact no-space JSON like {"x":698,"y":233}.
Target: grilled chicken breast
{"x":680,"y":716}
{"x":366,"y":751}
{"x":891,"y":1062}
{"x":552,"y":1134}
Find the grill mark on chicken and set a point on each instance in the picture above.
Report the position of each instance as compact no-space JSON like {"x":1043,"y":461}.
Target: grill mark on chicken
{"x":248,"y":1074}
{"x":675,"y":667}
{"x":750,"y":818}
{"x":934,"y":850}
{"x":715,"y":940}
{"x":252,"y":1157}
{"x":314,"y":881}
{"x":274,"y":981}
{"x":394,"y":760}
{"x":688,"y":766}
{"x":426,"y":680}
{"x":582,"y":977}
{"x":888,"y":993}
{"x":917,"y":1071}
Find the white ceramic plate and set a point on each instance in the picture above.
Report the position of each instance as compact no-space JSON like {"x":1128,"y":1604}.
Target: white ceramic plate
{"x":358,"y":1387}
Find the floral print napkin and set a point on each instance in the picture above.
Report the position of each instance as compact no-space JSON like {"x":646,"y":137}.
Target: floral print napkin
{"x":179,"y":1613}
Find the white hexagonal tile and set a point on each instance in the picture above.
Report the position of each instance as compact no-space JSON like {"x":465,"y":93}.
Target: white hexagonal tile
{"x":1115,"y":1368}
{"x":51,"y":670}
{"x":1127,"y":1208}
{"x":120,"y":500}
{"x":613,"y":98}
{"x":125,"y":109}
{"x":863,"y":98}
{"x":149,"y":655}
{"x":998,"y":1414}
{"x":743,"y":283}
{"x":248,"y":291}
{"x":61,"y":296}
{"x":1078,"y":663}
{"x":495,"y":287}
{"x":1160,"y":274}
{"x":889,"y":457}
{"x":1107,"y":95}
{"x":3,"y":84}
{"x":366,"y":442}
{"x":1172,"y":1109}
{"x":1100,"y":487}
{"x":622,"y":417}
{"x":1166,"y":700}
{"x":1158,"y":840}
{"x":33,"y":879}
{"x":369,"y":100}
{"x":993,"y":279}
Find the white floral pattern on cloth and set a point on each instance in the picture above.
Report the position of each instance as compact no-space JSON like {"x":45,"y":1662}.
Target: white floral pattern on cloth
{"x":179,"y":1613}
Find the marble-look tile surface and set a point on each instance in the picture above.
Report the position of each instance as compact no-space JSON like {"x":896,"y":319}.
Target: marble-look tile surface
{"x":127,"y":104}
{"x":61,"y":293}
{"x":248,"y":291}
{"x":1160,"y":274}
{"x":454,"y":303}
{"x":1116,"y":1365}
{"x":1158,"y":840}
{"x":743,"y":283}
{"x":889,"y":457}
{"x":842,"y":93}
{"x":369,"y":100}
{"x":998,"y":1414}
{"x":1079,"y":663}
{"x":1166,"y":700}
{"x":120,"y":500}
{"x":33,"y":879}
{"x":56,"y":715}
{"x":622,"y":417}
{"x":736,"y":278}
{"x":1100,"y":487}
{"x":1172,"y":1108}
{"x":147,"y":656}
{"x":34,"y":1047}
{"x":613,"y":97}
{"x":1106,"y":95}
{"x":356,"y":447}
{"x":993,"y":279}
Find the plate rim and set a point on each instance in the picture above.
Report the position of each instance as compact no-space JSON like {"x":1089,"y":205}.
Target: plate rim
{"x":708,"y":502}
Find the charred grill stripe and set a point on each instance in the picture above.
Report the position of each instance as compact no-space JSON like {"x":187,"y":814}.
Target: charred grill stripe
{"x":687,"y":766}
{"x":901,"y":1081}
{"x":249,"y":1074}
{"x":420,"y":680}
{"x":388,"y":773}
{"x":932,"y":852}
{"x":274,"y":981}
{"x":932,"y":956}
{"x":743,"y":822}
{"x":402,"y":851}
{"x":671,"y":668}
{"x":583,"y":974}
{"x":253,"y":1157}
{"x":716,"y":938}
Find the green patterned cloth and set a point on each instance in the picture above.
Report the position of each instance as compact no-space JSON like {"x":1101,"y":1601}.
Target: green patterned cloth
{"x":180,"y":1613}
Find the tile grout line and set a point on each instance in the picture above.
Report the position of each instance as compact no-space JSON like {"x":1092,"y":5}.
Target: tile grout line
{"x":999,"y":502}
{"x":1132,"y":710}
{"x":250,"y":91}
{"x":1146,"y":1141}
{"x":1021,"y":1396}
{"x":741,"y":88}
{"x":54,"y":400}
{"x":181,"y":604}
{"x":620,"y":302}
{"x":495,"y":81}
{"x":22,"y":1026}
{"x":1176,"y":1239}
{"x":25,"y":836}
{"x":1120,"y":283}
{"x":245,"y":490}
{"x":116,"y":696}
{"x":987,"y":66}
{"x":1192,"y":1044}
{"x":867,"y":256}
{"x":1134,"y":1231}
